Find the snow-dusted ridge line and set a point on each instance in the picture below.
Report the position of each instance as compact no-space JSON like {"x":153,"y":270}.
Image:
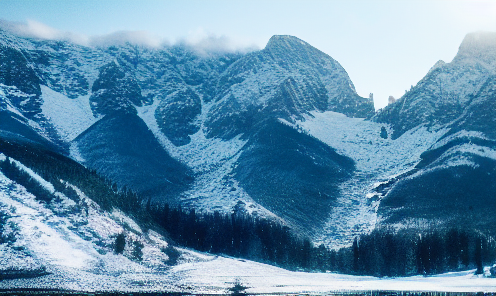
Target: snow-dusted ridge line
{"x":460,"y":135}
{"x":47,"y":185}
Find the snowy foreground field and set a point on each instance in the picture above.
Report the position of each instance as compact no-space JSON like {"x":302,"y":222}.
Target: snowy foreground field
{"x":217,"y":275}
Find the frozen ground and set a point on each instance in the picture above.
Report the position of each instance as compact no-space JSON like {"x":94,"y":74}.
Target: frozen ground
{"x":218,"y":274}
{"x":215,"y":275}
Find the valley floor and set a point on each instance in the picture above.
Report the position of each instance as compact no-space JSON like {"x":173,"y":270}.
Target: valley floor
{"x":217,"y":275}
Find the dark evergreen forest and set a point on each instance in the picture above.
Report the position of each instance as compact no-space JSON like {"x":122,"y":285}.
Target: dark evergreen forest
{"x":384,"y":252}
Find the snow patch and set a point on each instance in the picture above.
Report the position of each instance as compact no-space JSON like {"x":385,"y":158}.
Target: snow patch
{"x":69,"y":116}
{"x":47,"y":185}
{"x":124,"y":220}
{"x":75,"y":153}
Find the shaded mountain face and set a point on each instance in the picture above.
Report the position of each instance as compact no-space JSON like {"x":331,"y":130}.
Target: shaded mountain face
{"x":292,"y":174}
{"x":177,"y":116}
{"x":114,"y":90}
{"x":121,"y":147}
{"x":20,"y":81}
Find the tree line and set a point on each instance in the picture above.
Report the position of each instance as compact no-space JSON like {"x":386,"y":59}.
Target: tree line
{"x":383,"y":252}
{"x":386,"y":252}
{"x":237,"y":234}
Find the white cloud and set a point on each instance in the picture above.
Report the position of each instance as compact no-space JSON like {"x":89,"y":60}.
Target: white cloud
{"x":34,"y":29}
{"x":200,"y":40}
{"x":205,"y":42}
{"x":122,"y":37}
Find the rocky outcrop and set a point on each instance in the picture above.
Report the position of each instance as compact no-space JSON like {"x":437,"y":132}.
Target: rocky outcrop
{"x":115,"y":90}
{"x":287,"y":79}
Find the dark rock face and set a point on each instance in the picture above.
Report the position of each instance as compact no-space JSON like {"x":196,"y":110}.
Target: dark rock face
{"x":114,"y":90}
{"x":479,"y":115}
{"x":59,"y":66}
{"x":15,"y":71}
{"x":121,"y":147}
{"x":176,"y":116}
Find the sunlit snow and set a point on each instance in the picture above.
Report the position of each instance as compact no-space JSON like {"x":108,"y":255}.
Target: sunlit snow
{"x":69,"y":116}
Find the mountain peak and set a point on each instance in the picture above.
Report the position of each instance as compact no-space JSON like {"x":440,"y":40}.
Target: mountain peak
{"x":285,"y":41}
{"x":478,"y":45}
{"x":287,"y":46}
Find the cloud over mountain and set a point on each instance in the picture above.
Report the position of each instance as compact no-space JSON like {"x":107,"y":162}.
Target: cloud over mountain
{"x":201,"y":41}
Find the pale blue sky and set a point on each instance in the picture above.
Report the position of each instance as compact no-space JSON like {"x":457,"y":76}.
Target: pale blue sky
{"x":385,"y":46}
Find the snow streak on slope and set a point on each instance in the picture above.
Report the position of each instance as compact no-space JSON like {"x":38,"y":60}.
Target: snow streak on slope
{"x":212,"y":160}
{"x":69,"y":116}
{"x":377,"y":160}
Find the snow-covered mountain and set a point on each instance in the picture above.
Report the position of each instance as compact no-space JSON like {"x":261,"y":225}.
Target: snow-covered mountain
{"x":454,"y":182}
{"x":279,"y":132}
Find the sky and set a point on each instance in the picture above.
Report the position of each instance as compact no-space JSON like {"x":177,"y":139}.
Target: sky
{"x":385,"y":46}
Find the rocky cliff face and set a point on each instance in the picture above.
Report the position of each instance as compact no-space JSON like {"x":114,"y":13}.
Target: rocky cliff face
{"x":229,"y":103}
{"x":447,"y":90}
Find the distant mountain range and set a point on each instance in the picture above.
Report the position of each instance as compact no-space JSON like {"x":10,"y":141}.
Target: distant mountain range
{"x":278,"y":133}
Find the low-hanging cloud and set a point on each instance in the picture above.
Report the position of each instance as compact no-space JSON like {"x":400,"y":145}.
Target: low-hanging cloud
{"x":204,"y":43}
{"x":123,"y":37}
{"x":216,"y":44}
{"x":34,"y":29}
{"x":199,"y":41}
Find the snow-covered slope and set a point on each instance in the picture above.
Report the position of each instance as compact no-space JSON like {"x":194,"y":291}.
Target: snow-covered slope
{"x":69,"y":245}
{"x":66,"y":237}
{"x":212,"y":161}
{"x":69,"y":116}
{"x":378,"y":160}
